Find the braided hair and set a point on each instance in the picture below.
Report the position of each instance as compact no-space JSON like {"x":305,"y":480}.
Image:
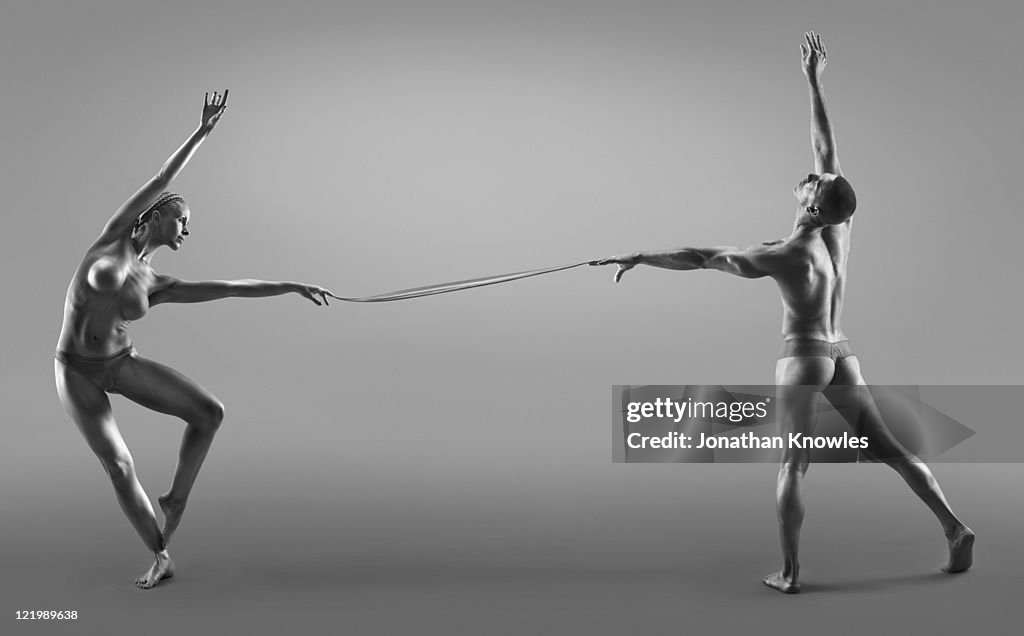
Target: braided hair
{"x":162,"y":200}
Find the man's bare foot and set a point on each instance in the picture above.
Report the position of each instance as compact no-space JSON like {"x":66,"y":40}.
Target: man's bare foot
{"x":162,"y":568}
{"x":172,"y":510}
{"x":961,"y":551}
{"x":784,"y":584}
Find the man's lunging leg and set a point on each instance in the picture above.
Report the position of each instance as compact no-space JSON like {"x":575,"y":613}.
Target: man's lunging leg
{"x":858,"y":407}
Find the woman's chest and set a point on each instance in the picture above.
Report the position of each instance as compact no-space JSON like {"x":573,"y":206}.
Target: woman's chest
{"x":132,"y":299}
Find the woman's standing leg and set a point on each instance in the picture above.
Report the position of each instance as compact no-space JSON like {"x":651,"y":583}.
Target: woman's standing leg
{"x":90,"y":408}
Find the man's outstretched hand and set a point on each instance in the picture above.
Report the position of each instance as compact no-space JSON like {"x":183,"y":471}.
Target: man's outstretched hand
{"x":813,"y":57}
{"x":625,"y":262}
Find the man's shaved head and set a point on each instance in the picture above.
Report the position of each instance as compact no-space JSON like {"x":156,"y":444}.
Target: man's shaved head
{"x":836,"y":201}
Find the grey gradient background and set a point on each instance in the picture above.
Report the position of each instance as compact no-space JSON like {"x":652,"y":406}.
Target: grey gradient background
{"x":442,"y":465}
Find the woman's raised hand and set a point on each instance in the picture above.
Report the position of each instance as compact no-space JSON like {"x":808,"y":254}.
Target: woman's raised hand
{"x":213,"y":108}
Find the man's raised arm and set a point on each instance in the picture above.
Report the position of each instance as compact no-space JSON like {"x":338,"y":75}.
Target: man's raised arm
{"x":823,"y":141}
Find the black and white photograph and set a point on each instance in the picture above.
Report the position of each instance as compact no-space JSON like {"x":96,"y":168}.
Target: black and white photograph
{"x":480,"y":317}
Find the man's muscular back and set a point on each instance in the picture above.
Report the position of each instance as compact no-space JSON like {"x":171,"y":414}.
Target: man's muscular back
{"x":812,"y":281}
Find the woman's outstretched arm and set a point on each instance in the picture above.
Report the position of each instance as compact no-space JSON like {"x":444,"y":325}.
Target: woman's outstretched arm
{"x":172,"y":290}
{"x":124,"y":219}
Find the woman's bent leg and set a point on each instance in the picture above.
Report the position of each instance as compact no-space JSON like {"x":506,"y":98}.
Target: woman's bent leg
{"x":161,"y":388}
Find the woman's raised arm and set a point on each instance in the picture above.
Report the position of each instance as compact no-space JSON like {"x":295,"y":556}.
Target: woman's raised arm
{"x":124,"y":219}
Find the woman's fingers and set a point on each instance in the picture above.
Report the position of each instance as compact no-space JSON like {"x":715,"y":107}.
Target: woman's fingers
{"x":217,"y":100}
{"x":312,"y":291}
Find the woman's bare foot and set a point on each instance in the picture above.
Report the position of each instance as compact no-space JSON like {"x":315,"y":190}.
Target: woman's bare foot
{"x":162,"y":568}
{"x":961,"y":551}
{"x":784,"y":584}
{"x":172,"y":510}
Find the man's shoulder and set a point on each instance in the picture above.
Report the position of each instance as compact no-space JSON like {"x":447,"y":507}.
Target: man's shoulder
{"x":783,"y":246}
{"x":790,"y":253}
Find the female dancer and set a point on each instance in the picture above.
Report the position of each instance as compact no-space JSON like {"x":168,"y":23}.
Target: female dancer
{"x":114,"y":285}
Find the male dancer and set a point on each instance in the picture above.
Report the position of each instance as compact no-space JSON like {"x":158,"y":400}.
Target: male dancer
{"x":809,"y":267}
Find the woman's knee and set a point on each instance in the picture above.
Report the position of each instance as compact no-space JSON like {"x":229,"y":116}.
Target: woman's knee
{"x":120,"y":468}
{"x":209,"y":415}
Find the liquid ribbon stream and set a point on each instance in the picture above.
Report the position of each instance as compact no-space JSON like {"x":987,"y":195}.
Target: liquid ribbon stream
{"x":454,"y":286}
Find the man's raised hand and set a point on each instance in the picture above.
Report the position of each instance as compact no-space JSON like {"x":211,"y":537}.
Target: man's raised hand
{"x":813,"y":57}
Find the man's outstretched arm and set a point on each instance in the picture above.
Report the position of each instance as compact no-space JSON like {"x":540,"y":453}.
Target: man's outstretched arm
{"x":752,"y":262}
{"x":813,"y":59}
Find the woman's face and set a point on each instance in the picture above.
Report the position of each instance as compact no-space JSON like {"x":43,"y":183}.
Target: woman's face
{"x":172,"y":226}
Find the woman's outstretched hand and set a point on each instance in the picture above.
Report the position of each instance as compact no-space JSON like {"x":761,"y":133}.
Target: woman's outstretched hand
{"x":213,"y":109}
{"x":314,"y":292}
{"x":625,"y":262}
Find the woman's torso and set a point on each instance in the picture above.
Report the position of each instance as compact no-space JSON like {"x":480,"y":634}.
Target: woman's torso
{"x":109,"y":290}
